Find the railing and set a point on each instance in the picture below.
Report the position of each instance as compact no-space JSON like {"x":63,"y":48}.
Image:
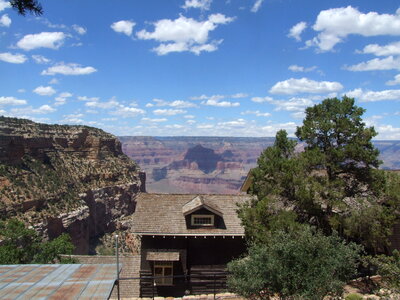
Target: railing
{"x":182,"y":285}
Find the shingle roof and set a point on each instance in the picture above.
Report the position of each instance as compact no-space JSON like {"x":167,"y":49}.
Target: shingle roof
{"x":161,"y":214}
{"x":199,"y":202}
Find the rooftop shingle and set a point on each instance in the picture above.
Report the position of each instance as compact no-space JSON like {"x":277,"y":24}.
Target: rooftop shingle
{"x":162,"y":214}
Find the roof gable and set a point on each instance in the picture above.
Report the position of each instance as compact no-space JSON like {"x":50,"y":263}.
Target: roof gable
{"x":197,"y":203}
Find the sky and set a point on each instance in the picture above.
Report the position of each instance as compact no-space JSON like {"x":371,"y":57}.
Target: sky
{"x":199,"y":67}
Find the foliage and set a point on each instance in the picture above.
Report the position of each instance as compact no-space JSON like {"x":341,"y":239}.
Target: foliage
{"x":302,"y":264}
{"x":333,"y":184}
{"x":21,"y":245}
{"x":353,"y":296}
{"x":388,"y":267}
{"x":24,"y":6}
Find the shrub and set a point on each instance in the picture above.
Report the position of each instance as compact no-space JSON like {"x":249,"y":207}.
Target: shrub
{"x":304,"y":264}
{"x":353,"y":296}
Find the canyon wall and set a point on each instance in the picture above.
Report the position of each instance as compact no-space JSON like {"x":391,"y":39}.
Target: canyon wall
{"x":211,"y":164}
{"x":72,"y":179}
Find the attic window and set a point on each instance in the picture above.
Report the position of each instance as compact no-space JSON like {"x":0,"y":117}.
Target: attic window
{"x":202,"y":220}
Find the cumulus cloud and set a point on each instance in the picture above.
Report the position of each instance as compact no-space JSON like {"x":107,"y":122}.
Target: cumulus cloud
{"x":13,"y":58}
{"x":261,"y":99}
{"x":256,"y":6}
{"x":386,"y":50}
{"x":5,"y":21}
{"x":26,"y":111}
{"x":68,"y":69}
{"x":169,"y":112}
{"x":40,"y":59}
{"x":11,"y":101}
{"x":257,"y":113}
{"x":73,"y":119}
{"x":79,"y":29}
{"x":200,"y":4}
{"x":395,"y":81}
{"x":44,"y":90}
{"x":373,"y":96}
{"x":89,"y":99}
{"x":294,"y":104}
{"x":336,"y":24}
{"x":123,"y":26}
{"x":305,"y":85}
{"x":154,"y":120}
{"x":176,"y":103}
{"x":51,"y":40}
{"x":62,"y":98}
{"x":185,"y":34}
{"x":296,"y":31}
{"x":127,"y":111}
{"x":114,"y":107}
{"x":4,"y":5}
{"x":296,"y":68}
{"x":387,"y":63}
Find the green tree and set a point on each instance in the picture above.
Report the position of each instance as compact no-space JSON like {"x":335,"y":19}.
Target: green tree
{"x":302,"y":264}
{"x":334,"y":184}
{"x":24,"y":6}
{"x":20,"y":245}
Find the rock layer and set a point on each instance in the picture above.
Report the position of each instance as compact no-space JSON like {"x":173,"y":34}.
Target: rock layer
{"x":62,"y":178}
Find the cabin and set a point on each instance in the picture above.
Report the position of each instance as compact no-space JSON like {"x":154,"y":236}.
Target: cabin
{"x":187,"y":241}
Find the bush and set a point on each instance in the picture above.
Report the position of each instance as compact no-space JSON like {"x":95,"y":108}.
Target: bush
{"x":353,"y":296}
{"x":304,"y":264}
{"x":21,"y":245}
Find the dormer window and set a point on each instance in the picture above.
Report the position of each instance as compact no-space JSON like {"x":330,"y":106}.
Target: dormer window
{"x":202,"y":220}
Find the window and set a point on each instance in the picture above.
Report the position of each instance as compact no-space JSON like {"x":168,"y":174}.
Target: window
{"x":161,"y":269}
{"x":202,"y":220}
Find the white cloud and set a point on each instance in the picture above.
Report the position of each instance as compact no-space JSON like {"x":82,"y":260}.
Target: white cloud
{"x":127,"y":111}
{"x":53,"y":81}
{"x":90,"y":99}
{"x":217,"y":103}
{"x":201,"y":4}
{"x":296,"y":31}
{"x":5,"y":21}
{"x":387,"y":63}
{"x":296,"y":68}
{"x":389,"y":49}
{"x":169,"y":112}
{"x":68,"y":69}
{"x":13,"y":58}
{"x":189,"y":117}
{"x":261,"y":99}
{"x":44,"y":90}
{"x":335,"y":24}
{"x":174,"y":126}
{"x":294,"y":104}
{"x":26,"y":111}
{"x":62,"y":98}
{"x":73,"y":119}
{"x":234,"y":123}
{"x":11,"y":101}
{"x":112,"y":103}
{"x":304,"y":85}
{"x":395,"y":81}
{"x":40,"y":59}
{"x":176,"y":103}
{"x":52,"y":40}
{"x":79,"y":29}
{"x":4,"y":5}
{"x":387,"y":132}
{"x":257,"y":113}
{"x":373,"y":96}
{"x":239,"y":95}
{"x":184,"y":34}
{"x":21,"y":90}
{"x":123,"y":26}
{"x":256,"y":6}
{"x":154,"y":120}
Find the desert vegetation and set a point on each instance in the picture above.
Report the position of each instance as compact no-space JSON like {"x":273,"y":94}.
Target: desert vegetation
{"x":321,"y":216}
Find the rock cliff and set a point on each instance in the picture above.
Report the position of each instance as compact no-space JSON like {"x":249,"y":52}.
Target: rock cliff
{"x":62,"y":178}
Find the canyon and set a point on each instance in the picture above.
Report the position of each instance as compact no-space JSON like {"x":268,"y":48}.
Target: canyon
{"x":211,"y":164}
{"x":59,"y":178}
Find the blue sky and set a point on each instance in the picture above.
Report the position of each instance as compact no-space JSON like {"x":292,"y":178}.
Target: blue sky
{"x":199,"y":67}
